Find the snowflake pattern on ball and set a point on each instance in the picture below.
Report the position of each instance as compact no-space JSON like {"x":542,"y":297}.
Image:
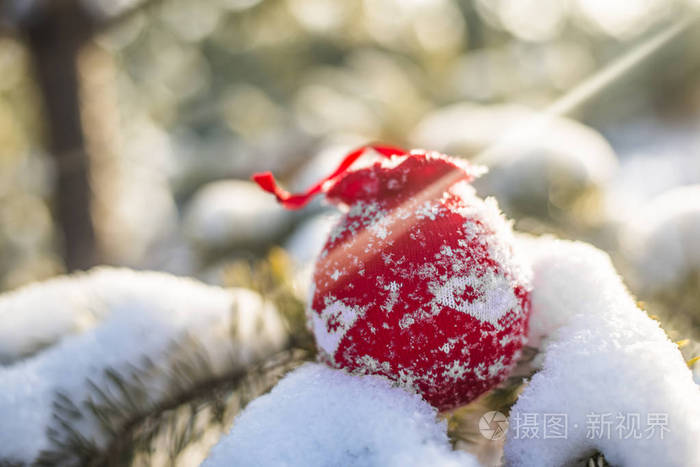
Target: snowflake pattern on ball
{"x":418,"y":282}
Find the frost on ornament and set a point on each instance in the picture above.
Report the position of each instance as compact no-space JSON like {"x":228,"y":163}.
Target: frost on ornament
{"x":622,"y":385}
{"x":419,"y":281}
{"x":347,"y":420}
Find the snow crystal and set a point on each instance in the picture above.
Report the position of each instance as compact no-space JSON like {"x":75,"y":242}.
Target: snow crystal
{"x":370,"y":215}
{"x":318,"y":416}
{"x":606,"y":364}
{"x":233,"y":213}
{"x":562,"y":289}
{"x":124,"y":316}
{"x":662,"y":240}
{"x":393,"y":297}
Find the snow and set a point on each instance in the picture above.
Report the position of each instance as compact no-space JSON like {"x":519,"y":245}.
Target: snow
{"x":304,"y":246}
{"x":234,"y":213}
{"x":655,"y":156}
{"x":112,"y":319}
{"x":662,"y":239}
{"x":605,"y":361}
{"x":643,"y":176}
{"x":134,"y":208}
{"x":464,"y":129}
{"x":523,"y":165}
{"x":317,"y":416}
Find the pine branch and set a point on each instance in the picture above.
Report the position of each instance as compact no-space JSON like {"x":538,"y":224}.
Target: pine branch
{"x":93,"y":431}
{"x":217,"y":400}
{"x":597,"y":460}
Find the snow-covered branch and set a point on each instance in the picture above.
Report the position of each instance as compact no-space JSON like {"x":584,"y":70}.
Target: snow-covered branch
{"x":605,"y":363}
{"x":122,"y":341}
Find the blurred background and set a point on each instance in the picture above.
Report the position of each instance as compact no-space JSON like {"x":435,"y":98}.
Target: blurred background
{"x":128,"y":129}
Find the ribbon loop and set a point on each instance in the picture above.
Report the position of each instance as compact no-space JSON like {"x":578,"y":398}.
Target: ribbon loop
{"x":267,"y":182}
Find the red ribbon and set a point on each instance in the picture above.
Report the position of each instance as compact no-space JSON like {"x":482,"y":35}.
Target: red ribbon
{"x":267,"y":182}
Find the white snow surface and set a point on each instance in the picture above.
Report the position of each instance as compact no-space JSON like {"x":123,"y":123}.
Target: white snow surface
{"x":112,"y":319}
{"x":604,"y":362}
{"x":234,"y":213}
{"x":662,"y":239}
{"x":318,"y":416}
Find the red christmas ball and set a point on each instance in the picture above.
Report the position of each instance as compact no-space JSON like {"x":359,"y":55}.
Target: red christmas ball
{"x":418,"y":282}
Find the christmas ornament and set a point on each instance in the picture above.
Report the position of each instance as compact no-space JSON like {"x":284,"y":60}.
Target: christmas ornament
{"x":418,"y":282}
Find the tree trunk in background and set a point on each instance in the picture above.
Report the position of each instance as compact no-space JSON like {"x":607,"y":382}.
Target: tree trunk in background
{"x":54,"y":37}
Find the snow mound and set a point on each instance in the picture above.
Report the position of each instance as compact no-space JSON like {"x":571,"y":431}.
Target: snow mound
{"x":304,"y":246}
{"x":134,"y":208}
{"x":663,"y":240}
{"x":611,"y":379}
{"x":530,"y":156}
{"x":233,"y":213}
{"x":655,"y":156}
{"x":132,"y":323}
{"x":318,"y":416}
